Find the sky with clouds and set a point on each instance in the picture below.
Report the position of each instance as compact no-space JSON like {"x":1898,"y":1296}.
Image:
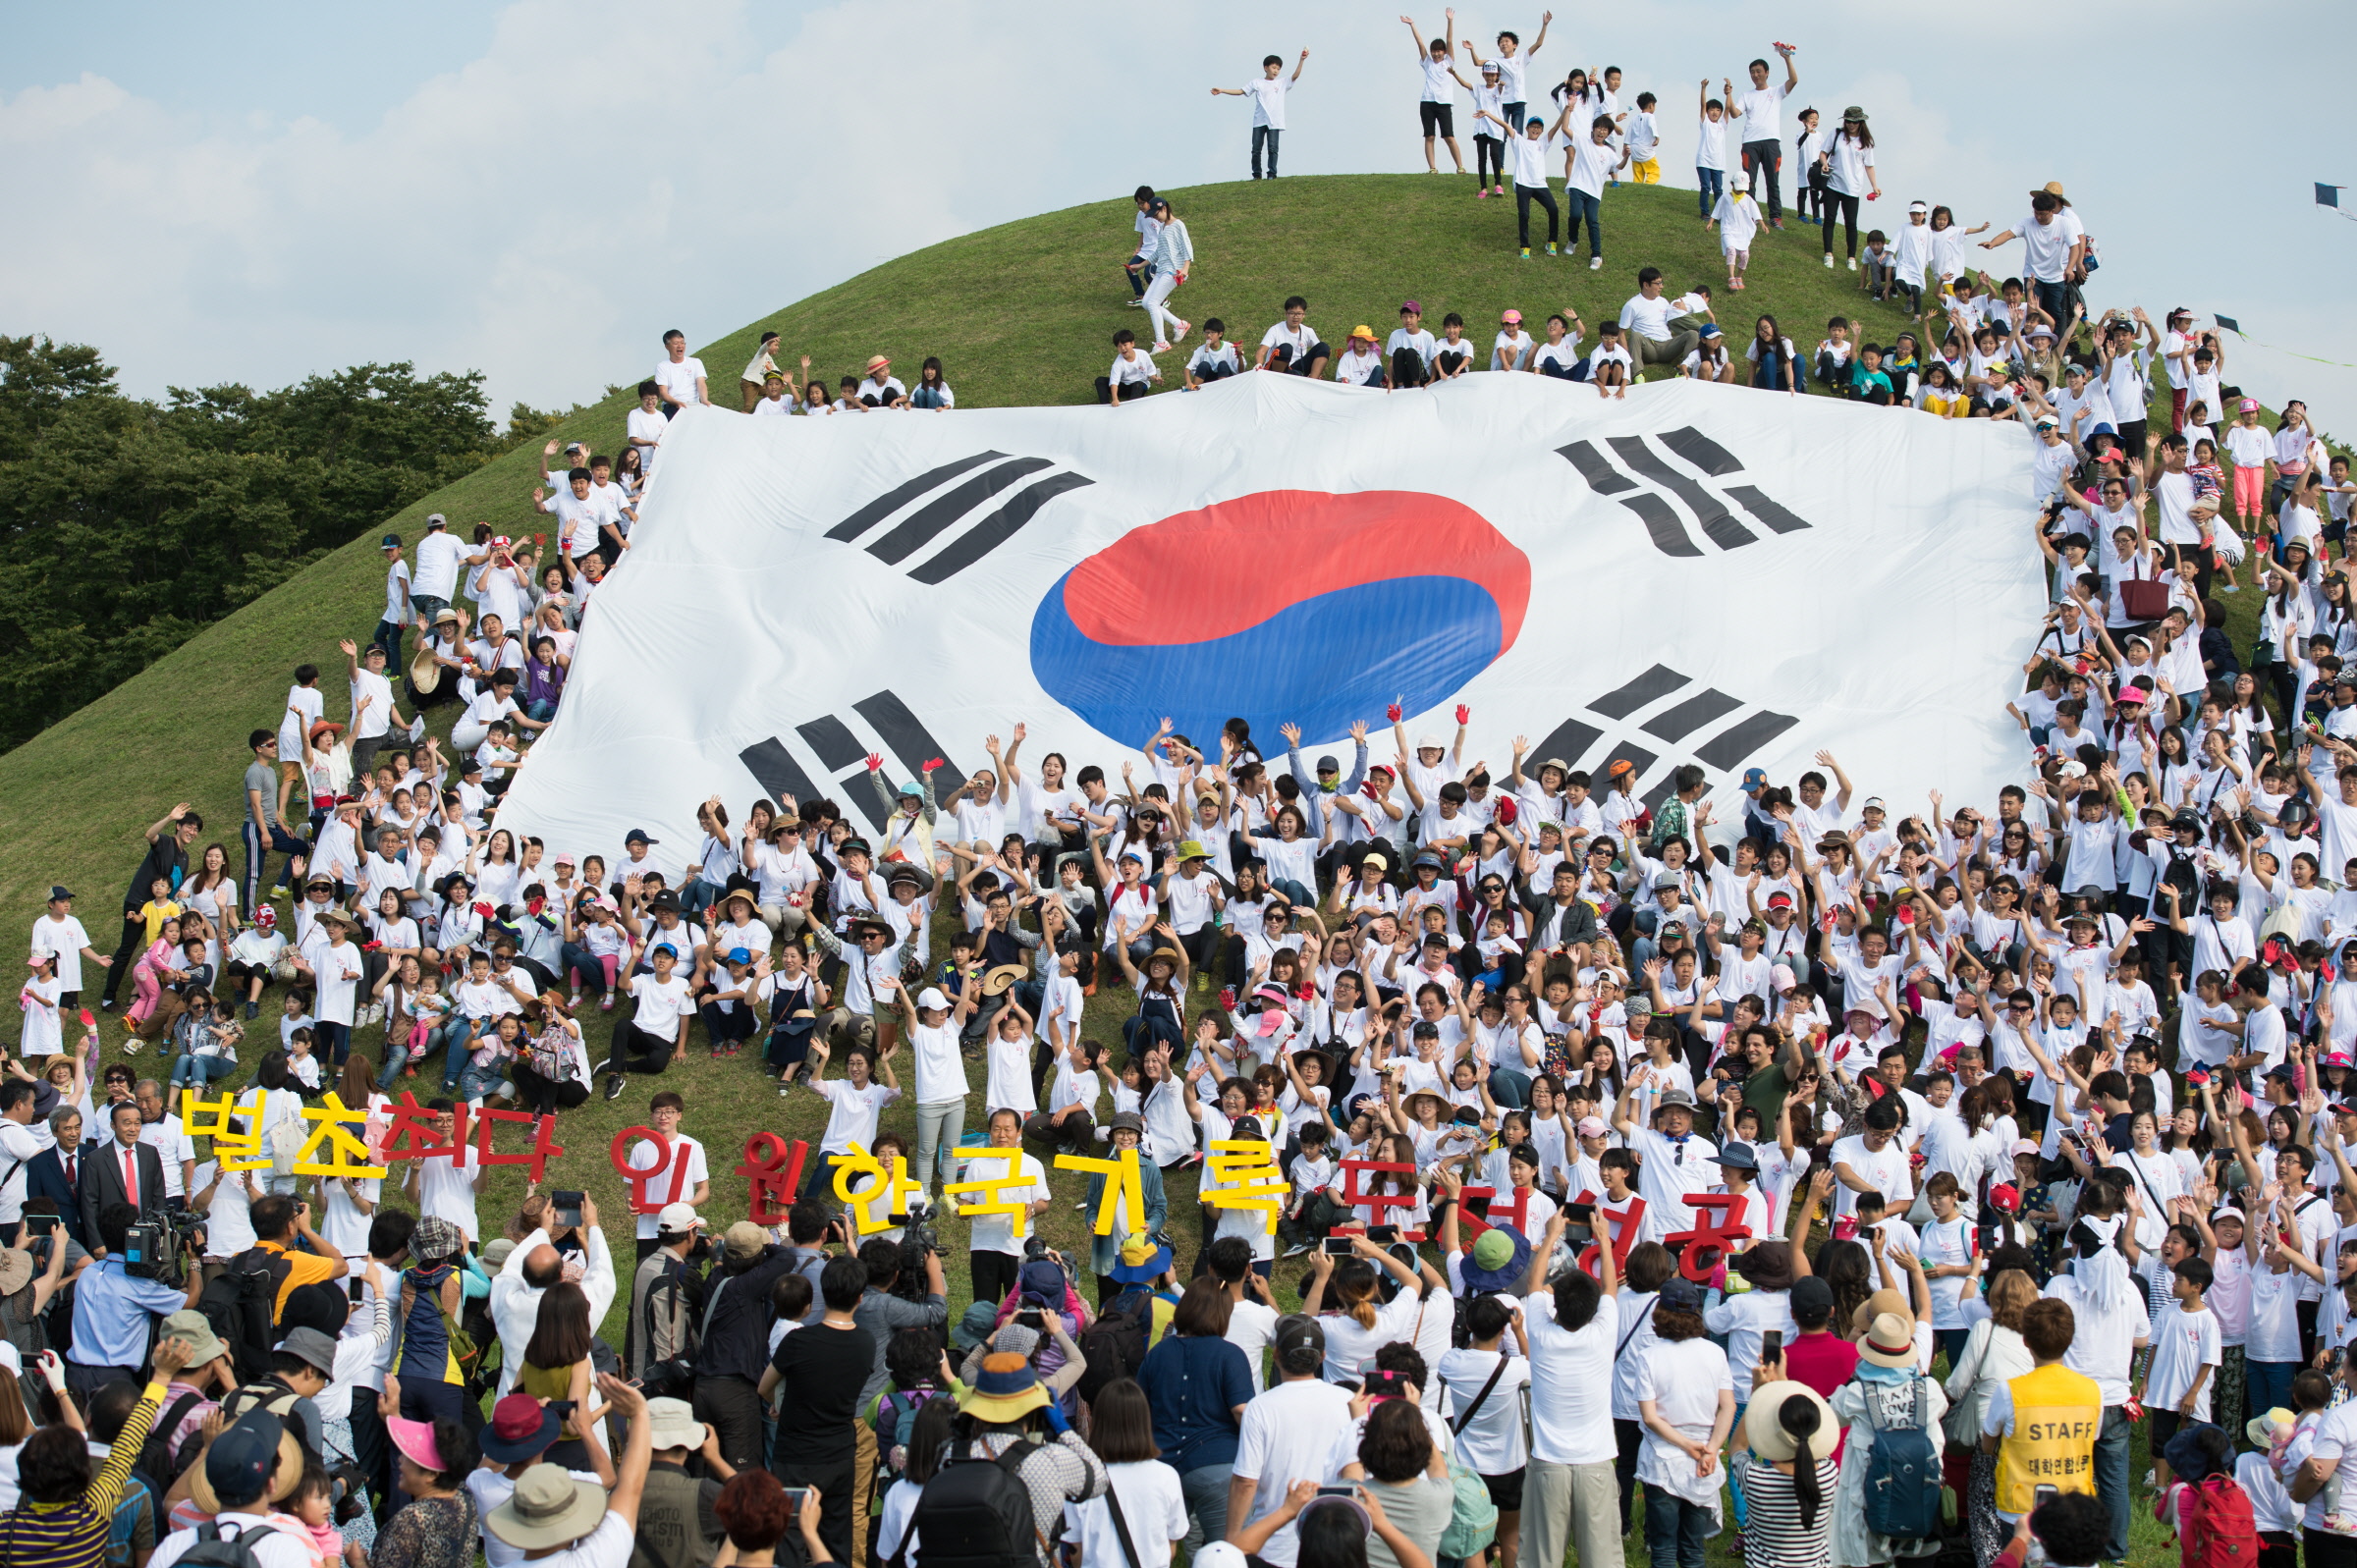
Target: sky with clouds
{"x":255,"y":191}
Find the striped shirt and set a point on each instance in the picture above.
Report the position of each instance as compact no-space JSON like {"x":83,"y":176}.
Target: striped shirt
{"x":73,"y":1533}
{"x":1771,"y":1529}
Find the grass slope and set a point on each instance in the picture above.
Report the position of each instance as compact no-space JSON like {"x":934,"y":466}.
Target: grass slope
{"x":1020,"y":314}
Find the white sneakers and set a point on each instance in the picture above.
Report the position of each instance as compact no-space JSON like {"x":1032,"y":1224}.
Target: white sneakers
{"x":1595,"y":263}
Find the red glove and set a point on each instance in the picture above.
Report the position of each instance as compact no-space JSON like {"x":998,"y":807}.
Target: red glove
{"x":1394,"y":712}
{"x":1228,"y":997}
{"x":931,"y":762}
{"x":1463,"y":712}
{"x":875,"y":762}
{"x":486,"y":910}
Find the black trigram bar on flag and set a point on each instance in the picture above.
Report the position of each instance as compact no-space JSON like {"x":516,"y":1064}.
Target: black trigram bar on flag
{"x":840,"y":744}
{"x":1640,"y":721}
{"x":1663,"y":495}
{"x":941,"y":523}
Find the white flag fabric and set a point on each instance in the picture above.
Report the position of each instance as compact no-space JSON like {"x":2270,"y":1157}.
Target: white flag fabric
{"x":1692,"y":573}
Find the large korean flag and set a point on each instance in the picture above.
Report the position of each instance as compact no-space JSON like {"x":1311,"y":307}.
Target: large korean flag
{"x":1691,"y":574}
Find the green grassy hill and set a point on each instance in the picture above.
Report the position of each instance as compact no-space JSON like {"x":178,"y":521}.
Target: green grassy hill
{"x":1019,"y":314}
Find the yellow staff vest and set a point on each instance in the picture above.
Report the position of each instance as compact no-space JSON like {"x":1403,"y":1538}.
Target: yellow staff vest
{"x":2057,"y":1415}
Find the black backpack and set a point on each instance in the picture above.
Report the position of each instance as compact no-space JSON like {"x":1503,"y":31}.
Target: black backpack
{"x":977,"y":1513}
{"x":241,"y":1305}
{"x":159,"y":1464}
{"x":213,"y":1551}
{"x":1114,"y":1345}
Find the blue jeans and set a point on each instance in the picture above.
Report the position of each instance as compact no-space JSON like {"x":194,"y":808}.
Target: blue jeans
{"x":1576,"y":205}
{"x":1260,"y":134}
{"x":2267,"y":1384}
{"x":258,"y":851}
{"x":541,"y":711}
{"x":1713,"y":184}
{"x":438,"y":1038}
{"x":194,"y":1072}
{"x":2111,"y":1476}
{"x":388,"y":637}
{"x":1205,"y":1489}
{"x":697,"y":897}
{"x":1674,"y":1526}
{"x":1509,"y":1087}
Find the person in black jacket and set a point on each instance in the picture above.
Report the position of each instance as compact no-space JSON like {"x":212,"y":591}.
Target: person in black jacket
{"x":1559,"y":916}
{"x":168,"y":841}
{"x":54,"y":1171}
{"x":734,"y":1354}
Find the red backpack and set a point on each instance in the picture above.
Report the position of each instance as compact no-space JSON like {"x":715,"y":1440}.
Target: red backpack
{"x":2218,"y":1531}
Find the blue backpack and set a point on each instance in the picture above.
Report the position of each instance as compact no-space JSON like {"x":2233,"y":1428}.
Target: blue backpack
{"x":1903,"y":1476}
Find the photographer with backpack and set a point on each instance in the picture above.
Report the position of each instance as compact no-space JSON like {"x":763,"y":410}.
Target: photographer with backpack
{"x":1013,"y":1463}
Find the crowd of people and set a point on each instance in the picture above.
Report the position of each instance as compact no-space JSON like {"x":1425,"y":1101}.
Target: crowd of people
{"x":1767,"y":1166}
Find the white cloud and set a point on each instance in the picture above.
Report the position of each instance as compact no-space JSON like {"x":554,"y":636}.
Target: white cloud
{"x":601,"y":171}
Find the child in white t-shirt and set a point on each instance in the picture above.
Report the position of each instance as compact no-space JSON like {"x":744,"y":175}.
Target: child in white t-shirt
{"x":1611,"y":366}
{"x":1644,"y":144}
{"x":1215,"y":357}
{"x":1738,"y":219}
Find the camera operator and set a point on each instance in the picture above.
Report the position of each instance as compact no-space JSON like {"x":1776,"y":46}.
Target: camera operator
{"x":277,"y":1221}
{"x":548,"y":1253}
{"x":112,"y":1309}
{"x":882,"y":1311}
{"x":121,"y":1170}
{"x":27,"y":1285}
{"x":734,"y":1354}
{"x":667,"y":1294}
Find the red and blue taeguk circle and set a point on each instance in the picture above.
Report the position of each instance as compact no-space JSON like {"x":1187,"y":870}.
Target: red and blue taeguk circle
{"x":1287,"y":606}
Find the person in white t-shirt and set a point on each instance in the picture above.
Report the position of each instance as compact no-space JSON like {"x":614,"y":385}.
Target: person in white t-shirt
{"x":1526,"y":156}
{"x":680,"y":378}
{"x":1291,"y":346}
{"x":1439,"y":106}
{"x":1268,"y":105}
{"x":647,"y":424}
{"x":1761,"y":129}
{"x":398,"y":606}
{"x":1134,"y":374}
{"x":1588,"y":162}
{"x":1215,"y":357}
{"x":1410,"y":349}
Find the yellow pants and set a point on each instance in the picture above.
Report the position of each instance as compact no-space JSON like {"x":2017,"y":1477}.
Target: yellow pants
{"x":863,"y":1482}
{"x":1645,"y":172}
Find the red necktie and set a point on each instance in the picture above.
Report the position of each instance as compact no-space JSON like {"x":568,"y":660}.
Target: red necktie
{"x":69,"y":1170}
{"x":130,"y":1177}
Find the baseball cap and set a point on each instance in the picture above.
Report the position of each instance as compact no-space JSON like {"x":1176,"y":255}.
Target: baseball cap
{"x":678,"y":1218}
{"x":392,"y":541}
{"x":238,"y":1464}
{"x":745,"y":1239}
{"x":1592,"y":1127}
{"x":1918,"y":206}
{"x":932,"y":1001}
{"x":1515,"y":316}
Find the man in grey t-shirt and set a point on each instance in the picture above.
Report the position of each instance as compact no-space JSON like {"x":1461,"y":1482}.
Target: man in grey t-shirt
{"x":260,"y":826}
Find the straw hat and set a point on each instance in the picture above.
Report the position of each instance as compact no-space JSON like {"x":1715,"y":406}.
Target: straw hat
{"x":283,"y":1480}
{"x":1005,"y":1390}
{"x":425,"y":672}
{"x":1764,"y":1428}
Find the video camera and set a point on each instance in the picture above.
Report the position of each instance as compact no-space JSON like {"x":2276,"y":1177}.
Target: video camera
{"x":160,"y":1247}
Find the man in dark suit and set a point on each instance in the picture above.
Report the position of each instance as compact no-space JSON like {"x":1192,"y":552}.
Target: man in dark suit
{"x":56,"y":1171}
{"x":121,"y":1170}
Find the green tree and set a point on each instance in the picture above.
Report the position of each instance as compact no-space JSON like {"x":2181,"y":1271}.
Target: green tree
{"x":127,"y":527}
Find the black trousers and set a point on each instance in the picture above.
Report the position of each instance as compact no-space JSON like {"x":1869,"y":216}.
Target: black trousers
{"x":731,"y":1407}
{"x":993,"y":1274}
{"x":134,"y":943}
{"x":372,"y":1450}
{"x":544,"y":1098}
{"x":1524,"y":196}
{"x":835,"y":1480}
{"x":637,"y":1051}
{"x":1489,"y":159}
{"x":1834,"y":205}
{"x":1409,"y":370}
{"x":1765,"y":160}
